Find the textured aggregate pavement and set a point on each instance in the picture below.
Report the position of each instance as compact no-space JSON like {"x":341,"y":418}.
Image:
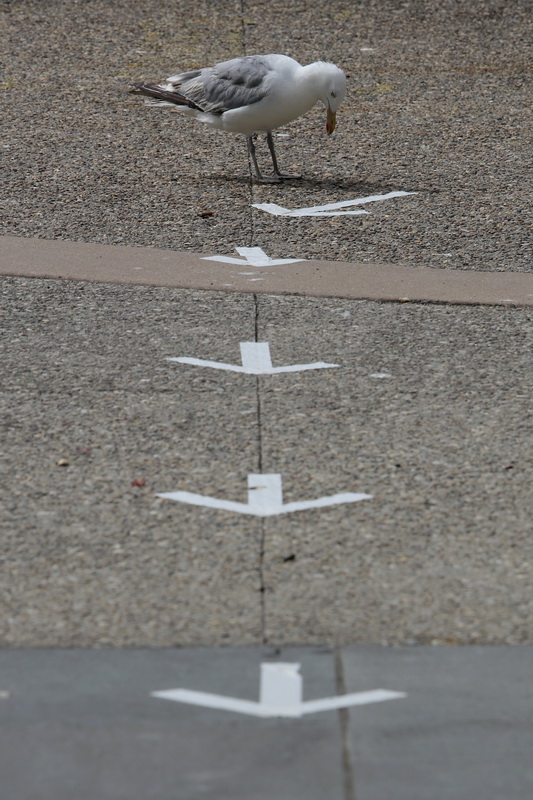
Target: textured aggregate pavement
{"x":443,"y":441}
{"x":439,"y":103}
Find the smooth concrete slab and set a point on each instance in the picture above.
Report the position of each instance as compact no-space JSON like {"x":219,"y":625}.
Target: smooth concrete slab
{"x":466,"y":729}
{"x":83,"y":724}
{"x":154,"y":267}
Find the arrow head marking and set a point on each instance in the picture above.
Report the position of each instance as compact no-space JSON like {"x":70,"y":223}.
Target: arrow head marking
{"x":207,"y":502}
{"x":265,"y":498}
{"x":324,"y":502}
{"x":280,"y":211}
{"x":348,"y":700}
{"x":201,"y":362}
{"x":253,"y":257}
{"x":330,"y":209}
{"x":225,"y":260}
{"x":208,"y":700}
{"x":256,"y":360}
{"x":280,"y":695}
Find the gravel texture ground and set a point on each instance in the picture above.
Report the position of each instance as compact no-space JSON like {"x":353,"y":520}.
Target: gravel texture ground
{"x":439,"y":103}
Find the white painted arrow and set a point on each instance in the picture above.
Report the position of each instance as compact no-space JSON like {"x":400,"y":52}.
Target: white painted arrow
{"x":265,"y":498}
{"x":254,"y":257}
{"x":329,"y":210}
{"x":256,"y":360}
{"x":280,"y":695}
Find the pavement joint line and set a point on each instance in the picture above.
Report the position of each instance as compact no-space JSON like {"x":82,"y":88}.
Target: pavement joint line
{"x":262,"y":533}
{"x":119,"y":264}
{"x":344,"y":728}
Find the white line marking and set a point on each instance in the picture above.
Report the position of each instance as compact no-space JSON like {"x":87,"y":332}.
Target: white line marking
{"x":280,"y":695}
{"x":323,"y":502}
{"x":265,"y":494}
{"x":279,"y":211}
{"x":330,"y":209}
{"x":255,"y":356}
{"x":281,"y":688}
{"x":210,"y":700}
{"x":254,"y":257}
{"x":256,"y":360}
{"x":265,"y":498}
{"x":200,"y":362}
{"x":355,"y":699}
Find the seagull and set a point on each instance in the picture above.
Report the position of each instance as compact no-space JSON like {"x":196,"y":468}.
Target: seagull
{"x":252,"y":94}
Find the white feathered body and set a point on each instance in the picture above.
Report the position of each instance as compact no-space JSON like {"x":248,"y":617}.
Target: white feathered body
{"x":256,"y":93}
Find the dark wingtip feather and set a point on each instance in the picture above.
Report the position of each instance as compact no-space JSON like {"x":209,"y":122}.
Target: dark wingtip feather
{"x":153,"y":90}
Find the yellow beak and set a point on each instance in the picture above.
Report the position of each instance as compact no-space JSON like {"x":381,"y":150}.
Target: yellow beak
{"x":331,"y":123}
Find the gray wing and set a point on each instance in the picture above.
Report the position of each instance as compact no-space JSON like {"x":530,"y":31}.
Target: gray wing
{"x":231,"y":84}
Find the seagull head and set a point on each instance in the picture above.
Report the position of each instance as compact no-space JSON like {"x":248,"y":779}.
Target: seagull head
{"x":333,"y":93}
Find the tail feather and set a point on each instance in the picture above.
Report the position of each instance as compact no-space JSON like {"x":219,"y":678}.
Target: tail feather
{"x":153,"y":90}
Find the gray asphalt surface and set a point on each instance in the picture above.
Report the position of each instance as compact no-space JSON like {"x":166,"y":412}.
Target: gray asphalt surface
{"x":439,"y":103}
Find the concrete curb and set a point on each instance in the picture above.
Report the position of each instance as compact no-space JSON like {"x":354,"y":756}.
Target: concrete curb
{"x":40,"y":258}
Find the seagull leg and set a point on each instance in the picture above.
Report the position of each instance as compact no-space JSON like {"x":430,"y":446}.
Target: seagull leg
{"x":255,"y":165}
{"x":280,"y":175}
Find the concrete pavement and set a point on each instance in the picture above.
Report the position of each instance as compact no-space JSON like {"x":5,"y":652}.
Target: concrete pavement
{"x":88,"y":725}
{"x":429,"y":410}
{"x":246,"y":273}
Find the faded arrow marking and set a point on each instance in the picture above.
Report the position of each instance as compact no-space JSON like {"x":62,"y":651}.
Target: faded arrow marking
{"x":254,"y":257}
{"x":280,"y":695}
{"x":330,"y":209}
{"x":256,"y":360}
{"x":265,"y":498}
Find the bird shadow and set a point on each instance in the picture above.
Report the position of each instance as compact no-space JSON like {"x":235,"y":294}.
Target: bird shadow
{"x":311,"y":183}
